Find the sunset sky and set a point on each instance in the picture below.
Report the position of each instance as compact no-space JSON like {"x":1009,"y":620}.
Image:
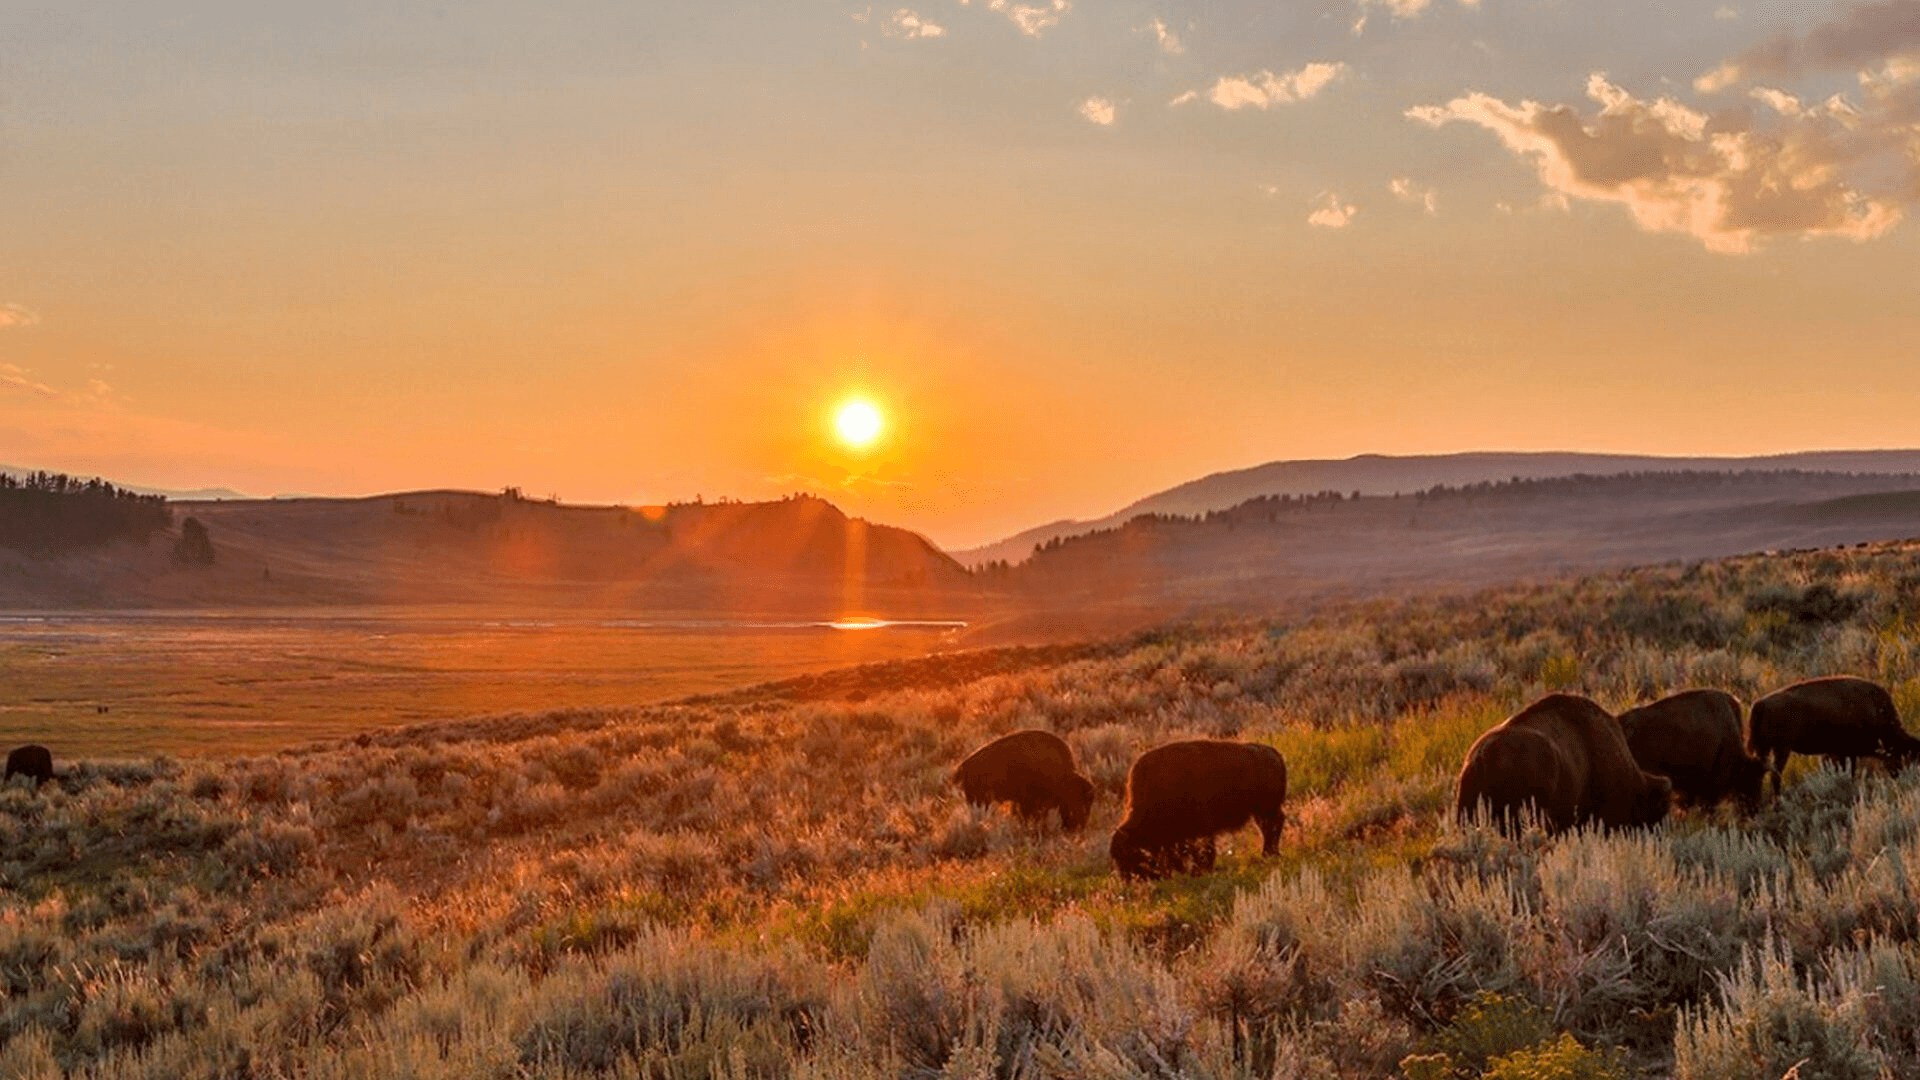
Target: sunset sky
{"x":1074,"y":251}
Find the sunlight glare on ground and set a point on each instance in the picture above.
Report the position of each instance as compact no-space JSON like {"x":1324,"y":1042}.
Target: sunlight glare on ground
{"x":858,"y":423}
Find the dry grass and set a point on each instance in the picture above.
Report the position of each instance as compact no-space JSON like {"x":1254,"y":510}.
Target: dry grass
{"x":782,"y":884}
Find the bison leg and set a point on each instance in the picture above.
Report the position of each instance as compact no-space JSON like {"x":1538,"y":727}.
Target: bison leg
{"x":1270,"y":826}
{"x":1776,"y":765}
{"x":1203,"y":855}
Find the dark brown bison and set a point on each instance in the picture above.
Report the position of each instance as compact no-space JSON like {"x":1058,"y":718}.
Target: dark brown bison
{"x":1696,"y":739}
{"x":1179,"y":796}
{"x":1564,"y":758}
{"x":1034,"y":771}
{"x":1836,"y":717}
{"x":31,"y":760}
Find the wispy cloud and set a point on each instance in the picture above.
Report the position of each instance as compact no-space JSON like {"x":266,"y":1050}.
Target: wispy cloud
{"x":1032,"y":19}
{"x":905,"y":23}
{"x":14,"y":377}
{"x":1399,"y":10}
{"x":1723,"y":181}
{"x":1407,"y":191}
{"x":1169,"y":41}
{"x":1099,"y":111}
{"x":1331,"y":213}
{"x":1861,"y":35}
{"x":99,"y":394}
{"x":1265,"y":89}
{"x":12,"y":315}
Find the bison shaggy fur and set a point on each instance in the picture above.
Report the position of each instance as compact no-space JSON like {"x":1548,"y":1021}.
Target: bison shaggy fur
{"x":1697,"y":740}
{"x":31,"y":760}
{"x":1837,"y":717}
{"x":1564,"y":758}
{"x":1031,"y":769}
{"x":1181,"y":795}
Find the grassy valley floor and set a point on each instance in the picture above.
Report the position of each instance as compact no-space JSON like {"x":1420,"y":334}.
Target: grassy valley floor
{"x":781,"y":882}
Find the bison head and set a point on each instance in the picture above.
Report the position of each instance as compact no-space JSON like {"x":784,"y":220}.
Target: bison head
{"x":1656,"y":798}
{"x":1132,"y":860}
{"x":1076,"y":803}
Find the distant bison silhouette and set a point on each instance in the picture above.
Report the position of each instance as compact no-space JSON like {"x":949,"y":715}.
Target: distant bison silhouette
{"x":1697,"y":740}
{"x":31,"y":760}
{"x":1565,"y":758}
{"x":1181,"y":795}
{"x":1839,"y":717}
{"x":1031,"y":769}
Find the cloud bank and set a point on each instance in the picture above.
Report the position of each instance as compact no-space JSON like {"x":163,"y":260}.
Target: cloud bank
{"x":1860,"y":35}
{"x":1726,"y":180}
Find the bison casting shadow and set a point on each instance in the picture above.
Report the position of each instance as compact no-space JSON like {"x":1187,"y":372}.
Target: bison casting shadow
{"x":1838,"y":717}
{"x":31,"y":760}
{"x":1031,"y":769}
{"x":1179,"y":796}
{"x":1564,"y":758}
{"x":1697,"y":740}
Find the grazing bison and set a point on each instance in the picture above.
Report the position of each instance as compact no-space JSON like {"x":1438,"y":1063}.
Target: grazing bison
{"x":1696,"y":739}
{"x":1034,"y":771}
{"x":1836,"y":717}
{"x":1564,"y":757}
{"x":1180,"y":795}
{"x":31,"y":760}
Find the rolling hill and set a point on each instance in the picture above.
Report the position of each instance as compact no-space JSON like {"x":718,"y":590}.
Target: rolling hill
{"x":799,"y":555}
{"x":1379,"y":474}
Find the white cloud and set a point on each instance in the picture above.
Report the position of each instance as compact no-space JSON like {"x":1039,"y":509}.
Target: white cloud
{"x":1726,"y":13}
{"x":1332,"y":213}
{"x":1407,"y":191}
{"x":12,"y":315}
{"x":1189,"y":96}
{"x":1722,"y":181}
{"x":1169,"y":41}
{"x":1099,"y":110}
{"x":1264,"y":89}
{"x":905,"y":23}
{"x":1030,"y":18}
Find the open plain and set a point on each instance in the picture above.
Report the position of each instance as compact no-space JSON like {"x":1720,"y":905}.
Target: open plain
{"x":134,"y":684}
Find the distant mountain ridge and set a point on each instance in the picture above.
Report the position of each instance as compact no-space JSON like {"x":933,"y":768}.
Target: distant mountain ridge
{"x":1383,"y":474}
{"x":20,"y":473}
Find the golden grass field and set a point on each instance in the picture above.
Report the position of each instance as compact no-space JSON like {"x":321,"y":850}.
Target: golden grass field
{"x":229,"y":682}
{"x":781,"y":883}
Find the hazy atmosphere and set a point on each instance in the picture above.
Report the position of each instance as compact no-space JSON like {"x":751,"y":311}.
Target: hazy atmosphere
{"x":1072,"y":251}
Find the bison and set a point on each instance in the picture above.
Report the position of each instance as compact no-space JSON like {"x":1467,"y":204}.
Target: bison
{"x":1696,"y":740}
{"x":1836,"y":717}
{"x":31,"y":760}
{"x":1565,"y":758}
{"x":1180,"y":795}
{"x":1031,"y":769}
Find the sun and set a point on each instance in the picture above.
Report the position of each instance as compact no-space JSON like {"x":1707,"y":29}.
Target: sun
{"x":858,"y":423}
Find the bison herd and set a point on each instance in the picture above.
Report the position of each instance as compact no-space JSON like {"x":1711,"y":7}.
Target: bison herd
{"x":1562,"y":760}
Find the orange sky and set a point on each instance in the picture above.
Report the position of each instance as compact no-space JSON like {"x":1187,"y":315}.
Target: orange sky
{"x":1077,"y":253}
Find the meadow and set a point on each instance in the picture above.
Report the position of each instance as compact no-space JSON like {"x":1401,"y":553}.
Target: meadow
{"x":135,"y":684}
{"x":779,"y":882}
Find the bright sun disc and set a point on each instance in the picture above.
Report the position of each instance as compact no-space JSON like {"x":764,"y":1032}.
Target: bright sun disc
{"x":858,"y":422}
